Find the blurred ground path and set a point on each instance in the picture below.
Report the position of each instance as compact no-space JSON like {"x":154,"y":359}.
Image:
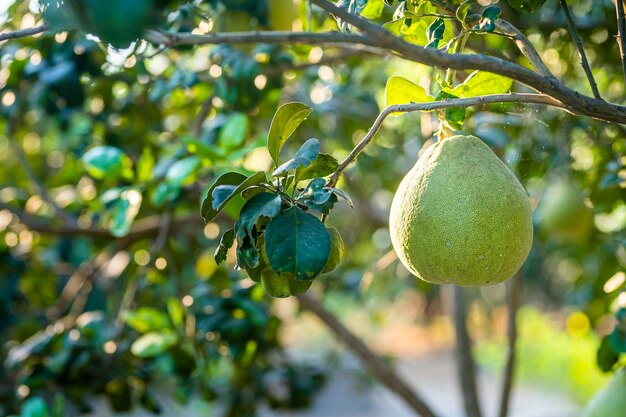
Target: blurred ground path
{"x":433,"y":374}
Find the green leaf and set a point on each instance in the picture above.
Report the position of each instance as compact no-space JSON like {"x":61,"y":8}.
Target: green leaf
{"x":344,"y":195}
{"x":606,"y":357}
{"x":297,"y":243}
{"x":399,"y":90}
{"x":435,"y":32}
{"x":145,"y":165}
{"x":304,"y":157}
{"x":488,"y":19}
{"x":455,"y":116}
{"x":226,"y":242}
{"x":35,"y":407}
{"x":617,"y":340}
{"x":323,"y":165}
{"x":234,"y":132}
{"x":480,"y":83}
{"x":146,"y":319}
{"x":373,"y":9}
{"x":227,"y":185}
{"x":286,"y":120}
{"x":175,"y":310}
{"x":124,"y":211}
{"x":250,"y":192}
{"x":60,"y":16}
{"x":153,"y":344}
{"x":105,"y":161}
{"x":183,"y":172}
{"x":262,"y":205}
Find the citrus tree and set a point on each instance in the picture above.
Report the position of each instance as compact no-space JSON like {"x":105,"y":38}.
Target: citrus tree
{"x":170,"y":168}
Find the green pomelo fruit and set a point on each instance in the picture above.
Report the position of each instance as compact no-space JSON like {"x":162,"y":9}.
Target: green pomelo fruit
{"x":610,"y":401}
{"x":527,"y":6}
{"x":562,"y":214}
{"x":460,"y":216}
{"x":337,"y":250}
{"x":282,"y":285}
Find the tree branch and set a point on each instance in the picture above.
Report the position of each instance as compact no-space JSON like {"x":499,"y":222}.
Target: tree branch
{"x":306,"y":38}
{"x":22,"y":33}
{"x":376,"y":366}
{"x":142,"y":229}
{"x":524,"y":45}
{"x":514,"y":300}
{"x":467,"y":367}
{"x":435,"y":105}
{"x":621,"y":30}
{"x":571,"y":26}
{"x":576,"y":102}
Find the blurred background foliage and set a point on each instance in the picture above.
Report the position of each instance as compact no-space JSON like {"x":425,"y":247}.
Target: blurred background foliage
{"x":126,"y":141}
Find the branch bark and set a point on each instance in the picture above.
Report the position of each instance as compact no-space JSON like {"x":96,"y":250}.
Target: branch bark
{"x":22,"y":33}
{"x":574,"y":101}
{"x":466,"y":365}
{"x":571,"y":26}
{"x":514,"y":300}
{"x":436,"y":105}
{"x":376,"y":366}
{"x":143,"y":228}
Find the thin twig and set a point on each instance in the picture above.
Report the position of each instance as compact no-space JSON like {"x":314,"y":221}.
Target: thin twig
{"x":621,"y":30}
{"x":22,"y":33}
{"x":376,"y":366}
{"x":514,"y":300}
{"x":524,"y":45}
{"x":571,"y":26}
{"x":466,"y":365}
{"x":576,"y":102}
{"x":435,"y":105}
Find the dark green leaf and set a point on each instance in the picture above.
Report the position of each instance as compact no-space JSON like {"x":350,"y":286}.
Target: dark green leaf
{"x":606,"y":357}
{"x":435,"y":33}
{"x":60,"y":16}
{"x":286,"y":120}
{"x":303,"y":158}
{"x":226,"y":242}
{"x":322,"y":166}
{"x":262,"y":205}
{"x":322,"y":208}
{"x":297,"y":243}
{"x":617,"y":340}
{"x":227,"y":186}
{"x":488,"y":19}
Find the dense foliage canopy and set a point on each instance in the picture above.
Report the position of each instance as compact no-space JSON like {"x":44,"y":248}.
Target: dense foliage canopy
{"x":126,"y":125}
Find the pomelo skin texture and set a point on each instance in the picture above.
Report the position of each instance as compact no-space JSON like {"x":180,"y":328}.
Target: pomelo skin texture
{"x":460,"y":216}
{"x":610,"y":401}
